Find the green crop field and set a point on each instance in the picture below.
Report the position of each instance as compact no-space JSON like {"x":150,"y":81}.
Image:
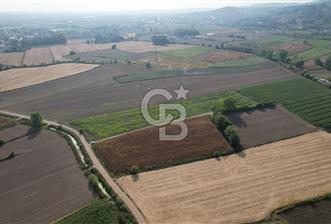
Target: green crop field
{"x":99,"y":212}
{"x":320,"y":48}
{"x":308,"y":99}
{"x":186,"y":53}
{"x":250,"y":61}
{"x":107,"y":125}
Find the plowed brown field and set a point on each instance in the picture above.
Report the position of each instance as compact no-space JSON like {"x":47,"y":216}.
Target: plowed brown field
{"x":141,"y":46}
{"x":11,"y":58}
{"x":22,"y":77}
{"x":144,"y":149}
{"x":38,"y":56}
{"x":216,"y":56}
{"x":239,"y":188}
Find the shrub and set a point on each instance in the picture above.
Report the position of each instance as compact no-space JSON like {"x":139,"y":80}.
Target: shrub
{"x":114,"y":47}
{"x":232,"y":136}
{"x":319,"y":62}
{"x":134,"y":170}
{"x":217,"y":154}
{"x":148,"y":65}
{"x":36,"y":120}
{"x":221,"y":122}
{"x":2,"y":143}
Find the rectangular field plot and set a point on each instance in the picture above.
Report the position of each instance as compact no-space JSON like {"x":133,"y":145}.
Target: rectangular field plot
{"x":242,"y":188}
{"x":22,"y":77}
{"x":38,"y":56}
{"x":308,"y":99}
{"x":267,"y":125}
{"x":144,"y":149}
{"x":43,"y":182}
{"x":11,"y":58}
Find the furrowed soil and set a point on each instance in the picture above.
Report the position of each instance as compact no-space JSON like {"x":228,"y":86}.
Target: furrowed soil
{"x":22,"y":77}
{"x":143,"y":148}
{"x":267,"y":125}
{"x":241,"y":188}
{"x":96,"y":92}
{"x":43,"y":182}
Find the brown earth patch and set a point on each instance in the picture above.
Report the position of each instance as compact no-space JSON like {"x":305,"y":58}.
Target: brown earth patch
{"x":267,"y":125}
{"x":143,"y":46}
{"x":14,"y":132}
{"x":4,"y":123}
{"x":242,"y":188}
{"x":43,"y":182}
{"x":144,"y":149}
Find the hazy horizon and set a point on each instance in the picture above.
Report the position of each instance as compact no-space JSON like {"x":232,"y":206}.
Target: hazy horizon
{"x":124,"y":5}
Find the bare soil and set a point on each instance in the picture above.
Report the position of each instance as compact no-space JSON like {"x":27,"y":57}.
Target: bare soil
{"x":96,"y":92}
{"x":43,"y":182}
{"x":14,"y":132}
{"x":292,"y":48}
{"x":144,"y":149}
{"x":243,"y":188}
{"x":22,"y":77}
{"x":141,"y":46}
{"x":263,"y":126}
{"x":4,"y":123}
{"x":59,"y":51}
{"x":216,"y":56}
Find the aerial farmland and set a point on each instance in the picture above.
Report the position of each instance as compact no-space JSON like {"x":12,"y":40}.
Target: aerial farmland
{"x":220,"y":115}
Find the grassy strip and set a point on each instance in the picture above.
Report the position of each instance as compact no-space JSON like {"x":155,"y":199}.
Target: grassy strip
{"x":250,"y":61}
{"x":107,"y":125}
{"x":300,"y":96}
{"x":186,"y":53}
{"x":99,"y":212}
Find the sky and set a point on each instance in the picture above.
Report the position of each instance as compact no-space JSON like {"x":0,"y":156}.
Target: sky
{"x":123,"y":5}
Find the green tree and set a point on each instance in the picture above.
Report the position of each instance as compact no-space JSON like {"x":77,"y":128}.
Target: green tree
{"x":36,"y":120}
{"x":148,"y":65}
{"x":319,"y":62}
{"x":221,"y":121}
{"x":2,"y":143}
{"x":134,"y":170}
{"x":160,"y":40}
{"x":232,"y":136}
{"x":328,"y":63}
{"x":283,"y":55}
{"x":229,"y":104}
{"x":114,"y":47}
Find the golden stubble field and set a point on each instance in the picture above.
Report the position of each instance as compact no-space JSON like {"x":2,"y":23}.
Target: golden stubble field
{"x":23,"y":77}
{"x":239,"y":188}
{"x":38,"y":56}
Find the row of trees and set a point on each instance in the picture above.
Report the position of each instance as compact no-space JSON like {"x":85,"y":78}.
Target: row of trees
{"x":108,"y":38}
{"x":326,"y":64}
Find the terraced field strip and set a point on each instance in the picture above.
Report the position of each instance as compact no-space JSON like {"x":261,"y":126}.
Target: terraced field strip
{"x":242,"y":188}
{"x":308,"y":99}
{"x":103,"y":126}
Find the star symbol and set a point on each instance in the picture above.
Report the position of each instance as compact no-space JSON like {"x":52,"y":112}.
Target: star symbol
{"x":181,"y":93}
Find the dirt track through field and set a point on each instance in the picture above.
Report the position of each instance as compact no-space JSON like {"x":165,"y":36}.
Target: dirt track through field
{"x":240,"y":188}
{"x":22,"y":77}
{"x":96,"y":92}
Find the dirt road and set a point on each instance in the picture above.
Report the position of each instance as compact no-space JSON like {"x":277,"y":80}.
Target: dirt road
{"x":96,"y":164}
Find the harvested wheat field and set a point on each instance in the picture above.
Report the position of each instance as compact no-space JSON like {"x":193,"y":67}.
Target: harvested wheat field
{"x":38,"y":56}
{"x":143,"y":46}
{"x":11,"y":58}
{"x":240,"y":188}
{"x":144,"y":149}
{"x":59,"y":51}
{"x":23,"y":77}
